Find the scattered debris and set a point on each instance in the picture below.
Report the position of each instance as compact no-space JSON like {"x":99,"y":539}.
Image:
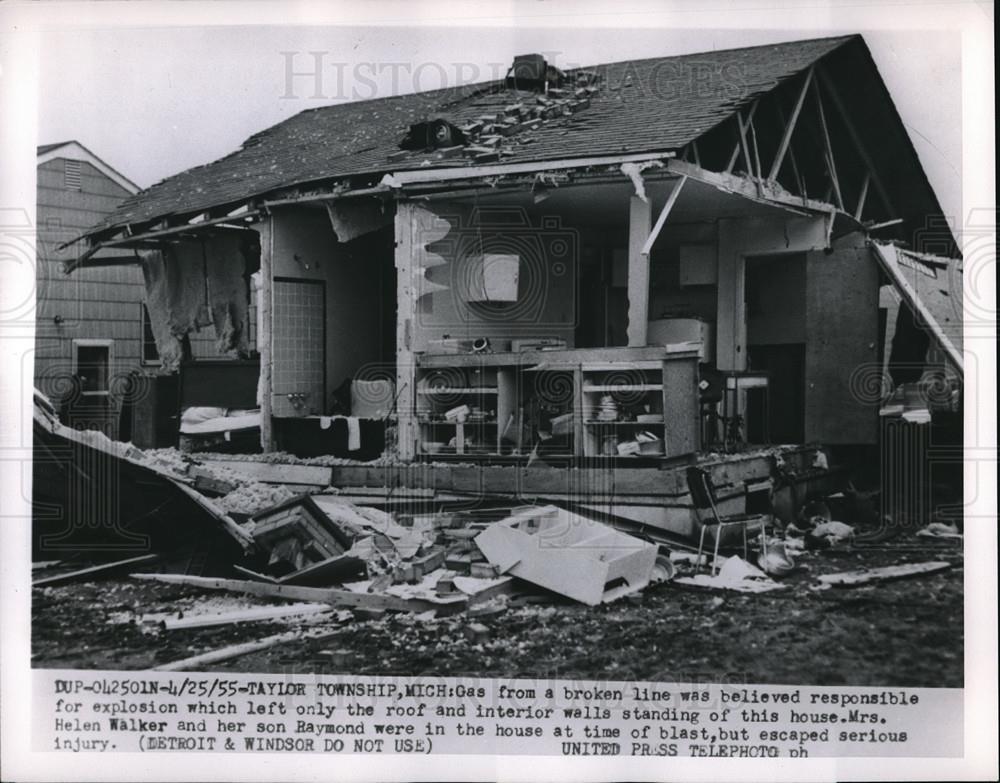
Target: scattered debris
{"x":940,"y":530}
{"x":95,"y":572}
{"x":735,"y":574}
{"x":869,"y":575}
{"x":569,"y":554}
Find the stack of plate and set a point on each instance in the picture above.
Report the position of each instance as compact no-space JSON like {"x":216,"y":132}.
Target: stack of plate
{"x":608,"y":409}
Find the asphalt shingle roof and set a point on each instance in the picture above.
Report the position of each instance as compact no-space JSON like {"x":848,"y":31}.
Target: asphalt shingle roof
{"x":647,"y":105}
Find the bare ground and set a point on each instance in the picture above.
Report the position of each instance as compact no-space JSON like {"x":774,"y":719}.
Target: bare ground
{"x":903,"y":633}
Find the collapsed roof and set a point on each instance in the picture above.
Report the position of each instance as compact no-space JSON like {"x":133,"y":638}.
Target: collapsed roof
{"x":639,"y":106}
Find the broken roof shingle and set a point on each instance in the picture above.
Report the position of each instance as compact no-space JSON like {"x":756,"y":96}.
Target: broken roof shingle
{"x":651,"y":105}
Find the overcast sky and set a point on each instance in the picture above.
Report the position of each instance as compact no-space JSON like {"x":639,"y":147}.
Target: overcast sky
{"x":155,"y":101}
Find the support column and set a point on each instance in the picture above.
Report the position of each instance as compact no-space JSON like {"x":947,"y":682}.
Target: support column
{"x":639,"y":224}
{"x":731,"y":322}
{"x":265,"y":304}
{"x":405,"y":316}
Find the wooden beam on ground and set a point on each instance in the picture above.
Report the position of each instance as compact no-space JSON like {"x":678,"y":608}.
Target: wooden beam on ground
{"x":786,"y":137}
{"x":322,"y":595}
{"x":830,"y":163}
{"x":237,"y":650}
{"x":94,"y":572}
{"x":859,"y":147}
{"x":871,"y":575}
{"x":253,"y":615}
{"x":638,"y":271}
{"x":664,"y":214}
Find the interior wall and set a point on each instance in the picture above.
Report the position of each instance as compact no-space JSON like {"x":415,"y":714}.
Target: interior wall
{"x":547,"y":286}
{"x":842,"y":311}
{"x":305,"y":247}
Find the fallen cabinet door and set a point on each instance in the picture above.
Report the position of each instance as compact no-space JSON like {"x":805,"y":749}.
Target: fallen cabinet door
{"x":569,"y":554}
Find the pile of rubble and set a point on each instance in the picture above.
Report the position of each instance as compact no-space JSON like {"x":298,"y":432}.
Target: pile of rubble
{"x":314,"y":560}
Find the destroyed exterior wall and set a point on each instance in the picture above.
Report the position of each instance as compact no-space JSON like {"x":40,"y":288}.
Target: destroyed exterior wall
{"x":842,"y":296}
{"x":306,"y":249}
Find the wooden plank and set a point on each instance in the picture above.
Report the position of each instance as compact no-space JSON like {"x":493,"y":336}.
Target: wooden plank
{"x":786,"y":137}
{"x":888,"y":573}
{"x":736,"y":149}
{"x":664,"y":214}
{"x":323,"y":595}
{"x":237,"y":650}
{"x":863,"y":196}
{"x":256,"y":614}
{"x":564,"y":356}
{"x":828,"y":145}
{"x":638,"y":272}
{"x":280,"y":473}
{"x":403,"y":178}
{"x":85,"y":574}
{"x":859,"y":147}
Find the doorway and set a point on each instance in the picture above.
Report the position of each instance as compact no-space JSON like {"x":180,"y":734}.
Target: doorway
{"x":775,"y":294}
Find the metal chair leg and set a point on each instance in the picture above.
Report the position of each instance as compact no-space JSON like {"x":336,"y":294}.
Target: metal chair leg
{"x":701,"y":543}
{"x":715,"y":557}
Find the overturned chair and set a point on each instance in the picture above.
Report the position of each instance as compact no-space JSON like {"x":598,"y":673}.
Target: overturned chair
{"x":703,"y":497}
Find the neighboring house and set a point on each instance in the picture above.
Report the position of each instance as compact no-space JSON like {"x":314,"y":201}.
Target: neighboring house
{"x":555,"y":262}
{"x":88,"y":326}
{"x":92,"y":329}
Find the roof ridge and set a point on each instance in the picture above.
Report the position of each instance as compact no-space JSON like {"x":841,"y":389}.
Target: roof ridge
{"x":842,"y":38}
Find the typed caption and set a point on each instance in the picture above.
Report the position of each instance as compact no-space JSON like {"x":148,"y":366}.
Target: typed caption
{"x":83,"y":711}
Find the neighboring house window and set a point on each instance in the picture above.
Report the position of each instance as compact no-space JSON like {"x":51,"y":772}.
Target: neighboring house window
{"x":150,"y":355}
{"x":72,"y":174}
{"x":92,"y":365}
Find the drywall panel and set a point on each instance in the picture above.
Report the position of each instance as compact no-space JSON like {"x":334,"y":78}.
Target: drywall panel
{"x":842,"y":298}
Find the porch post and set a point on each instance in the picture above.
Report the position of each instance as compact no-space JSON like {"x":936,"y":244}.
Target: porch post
{"x":265,"y":302}
{"x":405,"y":315}
{"x":638,"y":271}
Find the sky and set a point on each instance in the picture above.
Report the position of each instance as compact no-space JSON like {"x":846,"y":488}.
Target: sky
{"x":153,"y":101}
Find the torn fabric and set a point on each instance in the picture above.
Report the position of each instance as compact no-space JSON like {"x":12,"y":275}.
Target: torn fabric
{"x":193,"y":284}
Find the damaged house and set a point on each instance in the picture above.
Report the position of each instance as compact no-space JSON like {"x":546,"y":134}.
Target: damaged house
{"x":580,"y":281}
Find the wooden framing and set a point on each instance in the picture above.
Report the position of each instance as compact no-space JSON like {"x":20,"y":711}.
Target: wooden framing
{"x":864,"y":195}
{"x":790,"y":128}
{"x":738,"y":147}
{"x":855,"y":139}
{"x":831,"y":166}
{"x":264,"y":339}
{"x":638,"y":271}
{"x":406,"y":311}
{"x":664,"y":214}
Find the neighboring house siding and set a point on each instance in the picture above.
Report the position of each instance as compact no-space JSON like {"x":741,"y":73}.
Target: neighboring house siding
{"x":99,"y":303}
{"x":93,"y":304}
